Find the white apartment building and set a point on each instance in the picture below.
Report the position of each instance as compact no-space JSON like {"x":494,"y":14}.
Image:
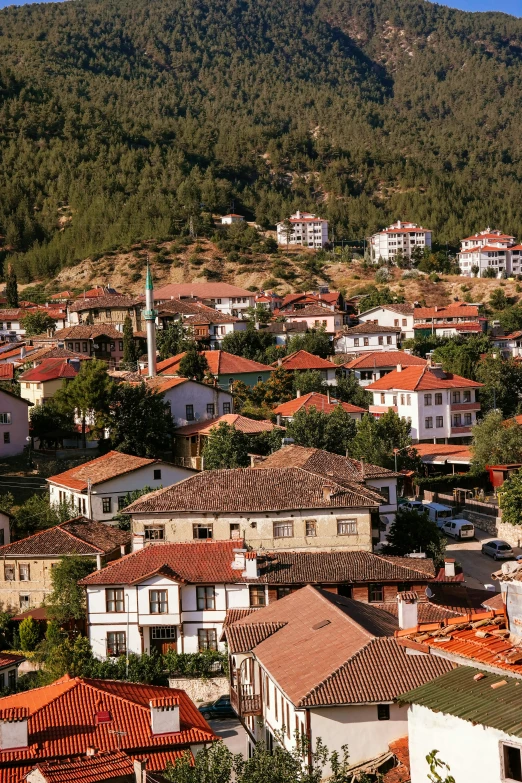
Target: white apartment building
{"x":367,"y":337}
{"x":308,"y":231}
{"x":440,"y":406}
{"x":490,"y":249}
{"x":398,"y":239}
{"x":398,"y":315}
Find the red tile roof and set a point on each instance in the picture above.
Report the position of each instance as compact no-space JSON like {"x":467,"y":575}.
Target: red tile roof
{"x":442,"y":452}
{"x":78,"y":536}
{"x":371,"y":359}
{"x":488,"y":235}
{"x":87,"y":769}
{"x":50,"y":370}
{"x":63,"y":295}
{"x":219,"y":362}
{"x":303,"y":360}
{"x":6,"y":372}
{"x":456,"y":310}
{"x":101,"y":469}
{"x":86,"y":332}
{"x":324,"y":463}
{"x":62,"y":721}
{"x":422,"y":379}
{"x":463,"y":326}
{"x":240,"y":423}
{"x":314,"y":400}
{"x":200,"y":291}
{"x":8,"y":659}
{"x":105,"y":301}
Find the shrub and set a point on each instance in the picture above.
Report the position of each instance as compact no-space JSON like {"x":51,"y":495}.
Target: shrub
{"x":29,"y":634}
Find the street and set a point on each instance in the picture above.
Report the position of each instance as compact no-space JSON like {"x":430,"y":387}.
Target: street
{"x":232,"y":733}
{"x":476,"y":566}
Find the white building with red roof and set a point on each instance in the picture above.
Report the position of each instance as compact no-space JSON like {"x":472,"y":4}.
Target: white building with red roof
{"x":224,"y":297}
{"x":307,"y":230}
{"x":373,"y":365}
{"x":399,"y":239}
{"x":304,"y":361}
{"x":458,"y":318}
{"x":441,"y":406}
{"x":489,"y":249}
{"x":398,"y":315}
{"x":321,"y":402}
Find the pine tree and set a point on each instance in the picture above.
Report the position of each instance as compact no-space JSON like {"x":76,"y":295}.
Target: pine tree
{"x":130,"y":352}
{"x":11,"y":288}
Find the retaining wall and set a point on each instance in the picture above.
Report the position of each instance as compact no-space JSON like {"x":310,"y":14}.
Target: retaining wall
{"x":201,"y":690}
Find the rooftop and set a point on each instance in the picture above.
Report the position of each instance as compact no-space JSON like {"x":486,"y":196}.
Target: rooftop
{"x":310,"y":311}
{"x":422,"y":379}
{"x":78,"y":536}
{"x":324,"y":463}
{"x":219,"y":362}
{"x":107,"y":301}
{"x":101,"y":469}
{"x":88,"y":769}
{"x":402,"y":309}
{"x":314,"y":400}
{"x":240,"y":423}
{"x":49,"y":370}
{"x":86,"y":332}
{"x":371,"y":359}
{"x":303,"y":360}
{"x":441,"y":453}
{"x":366,"y":328}
{"x":455,"y":310}
{"x":200,"y":291}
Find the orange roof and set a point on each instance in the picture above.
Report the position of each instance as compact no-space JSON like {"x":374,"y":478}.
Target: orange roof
{"x":161,"y":383}
{"x":421,"y":379}
{"x":101,"y":469}
{"x":456,"y":310}
{"x":241,"y":423}
{"x":303,"y":360}
{"x":314,"y":400}
{"x":50,"y":370}
{"x":488,"y":235}
{"x":219,"y":362}
{"x":442,"y":452}
{"x":384,"y":359}
{"x":201,"y":290}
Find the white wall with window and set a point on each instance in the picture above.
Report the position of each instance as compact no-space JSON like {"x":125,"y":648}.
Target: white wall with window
{"x":191,"y":401}
{"x":14,"y":424}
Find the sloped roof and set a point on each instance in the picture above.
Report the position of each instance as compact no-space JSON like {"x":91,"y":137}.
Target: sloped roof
{"x":324,"y":463}
{"x":88,"y":769}
{"x":8,"y":659}
{"x":78,"y":536}
{"x":422,"y":379}
{"x":374,"y":359}
{"x":86,"y":332}
{"x":200,"y":290}
{"x":402,"y":309}
{"x":366,"y":328}
{"x":6,"y":372}
{"x":49,"y":370}
{"x":439,"y":453}
{"x":314,"y":400}
{"x":101,"y":469}
{"x":303,"y":360}
{"x":456,"y":310}
{"x":219,"y":362}
{"x":235,"y":420}
{"x":243,"y":489}
{"x":311,"y":311}
{"x":103,"y":302}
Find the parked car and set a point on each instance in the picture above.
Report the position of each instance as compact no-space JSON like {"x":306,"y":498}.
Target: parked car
{"x":498,"y":550}
{"x":438,"y":513}
{"x":221,"y":708}
{"x":413,"y":505}
{"x":459,"y":528}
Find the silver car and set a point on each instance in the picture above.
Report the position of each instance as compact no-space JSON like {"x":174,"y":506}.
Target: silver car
{"x":498,"y":550}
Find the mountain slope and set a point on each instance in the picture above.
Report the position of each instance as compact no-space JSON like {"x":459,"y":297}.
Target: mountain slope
{"x":122,"y":120}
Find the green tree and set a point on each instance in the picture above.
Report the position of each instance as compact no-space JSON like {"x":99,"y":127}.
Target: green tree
{"x":348,"y":389}
{"x":11,"y":288}
{"x":414,"y":532}
{"x":250,"y":343}
{"x":29,"y":634}
{"x":329,"y":431}
{"x":498,"y":299}
{"x":495,"y":441}
{"x":194,"y":364}
{"x":462,"y":356}
{"x":73,"y":657}
{"x":37,"y":322}
{"x":510,"y":499}
{"x":259,"y":314}
{"x":141,"y":421}
{"x":315,"y":341}
{"x":226,"y":447}
{"x":36,"y":513}
{"x":376,"y":440}
{"x":374,"y":296}
{"x":90,"y":395}
{"x":436,"y":764}
{"x":510,"y":319}
{"x":66,"y":601}
{"x":172,"y":340}
{"x":50,"y":423}
{"x":309,"y":381}
{"x":130,"y":351}
{"x":502,"y":379}
{"x":278,"y":388}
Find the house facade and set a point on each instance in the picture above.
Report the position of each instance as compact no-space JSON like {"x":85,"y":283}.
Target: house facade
{"x":367,"y":337}
{"x":458,"y":319}
{"x":225,"y":367}
{"x":14,"y":423}
{"x":303,"y":228}
{"x":399,"y":239}
{"x":40,"y":383}
{"x":303,"y":361}
{"x":225,"y":298}
{"x":397,"y":315}
{"x":317,"y":317}
{"x":103,"y":342}
{"x":489,"y":250}
{"x":191,"y":401}
{"x":111,"y":309}
{"x":373,"y":365}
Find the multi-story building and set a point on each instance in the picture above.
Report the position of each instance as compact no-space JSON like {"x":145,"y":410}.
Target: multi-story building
{"x":399,"y":239}
{"x":14,"y":423}
{"x":458,"y":318}
{"x":108,"y":309}
{"x":440,"y":406}
{"x":40,"y":383}
{"x":317,"y":317}
{"x":303,"y":228}
{"x":372,"y":365}
{"x":225,"y":298}
{"x":489,"y":249}
{"x":397,"y":315}
{"x":225,"y":367}
{"x":367,"y":337}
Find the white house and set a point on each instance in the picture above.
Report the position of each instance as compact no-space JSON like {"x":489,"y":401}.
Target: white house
{"x":341,"y":684}
{"x":401,"y":238}
{"x":368,"y":337}
{"x":398,"y":315}
{"x":227,"y":220}
{"x":99,"y":488}
{"x":225,"y":298}
{"x":305,"y":229}
{"x":191,"y":401}
{"x":317,"y":317}
{"x":372,"y":365}
{"x":489,"y":249}
{"x":439,"y":405}
{"x":14,"y":423}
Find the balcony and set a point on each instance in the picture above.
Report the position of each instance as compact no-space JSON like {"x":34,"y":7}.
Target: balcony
{"x":379,"y":410}
{"x":465,"y":430}
{"x":465,"y":406}
{"x":245,"y":703}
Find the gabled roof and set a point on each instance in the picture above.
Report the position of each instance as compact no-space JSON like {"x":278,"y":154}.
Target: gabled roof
{"x":101,"y":469}
{"x":303,"y":360}
{"x":343,"y":651}
{"x":401,"y":309}
{"x":78,"y":536}
{"x":366,"y":328}
{"x":62,"y":722}
{"x":240,"y":423}
{"x":49,"y":370}
{"x":371,"y":359}
{"x":455,"y":310}
{"x":200,"y":291}
{"x":6,"y":372}
{"x":103,"y":766}
{"x":107,"y":301}
{"x":8,"y":659}
{"x":14,"y":396}
{"x":86,"y":332}
{"x":314,"y":400}
{"x":243,"y":489}
{"x":219,"y":362}
{"x":422,"y":379}
{"x":324,"y":463}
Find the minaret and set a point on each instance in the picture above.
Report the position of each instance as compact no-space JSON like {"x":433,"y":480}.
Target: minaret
{"x":150,"y":318}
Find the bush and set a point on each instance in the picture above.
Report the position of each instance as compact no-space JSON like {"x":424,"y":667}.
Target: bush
{"x":383,"y":275}
{"x":446,"y":483}
{"x":410,"y":274}
{"x":29,"y":634}
{"x":203,"y":664}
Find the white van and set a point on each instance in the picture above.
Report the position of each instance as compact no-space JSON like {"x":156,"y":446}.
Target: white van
{"x":459,"y":528}
{"x":438,"y":513}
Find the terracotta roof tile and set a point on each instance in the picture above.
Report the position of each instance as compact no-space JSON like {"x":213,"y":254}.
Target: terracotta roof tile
{"x":402,"y":309}
{"x":101,"y":469}
{"x":324,"y":463}
{"x":87,"y":769}
{"x":200,"y":291}
{"x":314,"y":400}
{"x":6,"y":372}
{"x":50,"y":370}
{"x":240,"y":423}
{"x":107,"y":301}
{"x":219,"y":362}
{"x":457,"y":310}
{"x":375,"y":359}
{"x":422,"y":379}
{"x":78,"y":536}
{"x":303,"y":360}
{"x":400,"y":773}
{"x":366,"y":328}
{"x":7,"y":659}
{"x":86,"y":332}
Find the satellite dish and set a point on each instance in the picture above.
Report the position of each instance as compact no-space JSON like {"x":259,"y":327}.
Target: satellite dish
{"x":429,"y":592}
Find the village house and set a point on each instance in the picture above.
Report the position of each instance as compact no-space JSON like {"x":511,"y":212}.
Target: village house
{"x":109,"y":309}
{"x":225,"y":367}
{"x":398,"y":315}
{"x":11,"y":320}
{"x":323,"y":297}
{"x":457,"y":319}
{"x":283,"y":331}
{"x":347,"y":671}
{"x":39,"y":384}
{"x":372,"y":365}
{"x":99,"y":488}
{"x":441,"y":407}
{"x":303,"y":361}
{"x":317,"y":317}
{"x":225,"y":298}
{"x":14,"y":423}
{"x":206,"y":324}
{"x":181,"y":596}
{"x":399,"y":239}
{"x":9,"y":664}
{"x":489,"y":249}
{"x":158,"y":723}
{"x":367,"y":337}
{"x":303,"y":228}
{"x":25,"y":579}
{"x":283,"y":508}
{"x":112,"y":766}
{"x":321,"y":402}
{"x":104,"y":341}
{"x":269,"y":299}
{"x":227,"y":220}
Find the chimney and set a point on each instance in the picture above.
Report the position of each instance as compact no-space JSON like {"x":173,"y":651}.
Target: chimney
{"x":22,"y":352}
{"x":164,"y":715}
{"x":278,"y":419}
{"x":138,"y":541}
{"x":122,"y":550}
{"x":13,"y":728}
{"x":407,"y":609}
{"x":399,"y":368}
{"x":250,"y":571}
{"x":298,"y":392}
{"x":239,"y":562}
{"x":328,"y":491}
{"x":91,"y":751}
{"x":140,"y":770}
{"x":449,"y":567}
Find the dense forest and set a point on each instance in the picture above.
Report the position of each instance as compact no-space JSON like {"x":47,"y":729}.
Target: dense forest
{"x":123,"y":120}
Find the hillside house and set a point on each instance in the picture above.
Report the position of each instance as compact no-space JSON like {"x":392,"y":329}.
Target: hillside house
{"x":191,"y":401}
{"x":399,"y":239}
{"x":458,"y":319}
{"x":225,"y":367}
{"x":40,"y":383}
{"x":321,"y":402}
{"x":373,"y":365}
{"x":303,"y":361}
{"x":227,"y":220}
{"x":14,"y":423}
{"x":225,"y":298}
{"x":367,"y":337}
{"x":305,"y":229}
{"x":489,"y":249}
{"x":317,"y":317}
{"x":398,"y":315}
{"x":111,"y":309}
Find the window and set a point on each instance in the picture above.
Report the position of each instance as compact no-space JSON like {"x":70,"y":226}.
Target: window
{"x":283,"y":529}
{"x":154,"y":533}
{"x":114,"y":600}
{"x":121,"y":502}
{"x":234,"y":530}
{"x":163,"y":632}
{"x":511,"y":762}
{"x":381,"y":341}
{"x":438,"y":398}
{"x":366,"y":340}
{"x":466,"y":396}
{"x":408,"y":399}
{"x":84,"y":347}
{"x":158,"y":602}
{"x":257,"y":595}
{"x":210,"y":409}
{"x":395,"y":399}
{"x":120,"y":345}
{"x":405,"y":322}
{"x":383,"y":712}
{"x":428,"y":422}
{"x":203,"y":530}
{"x":23,"y":572}
{"x":226,"y":407}
{"x":2,"y":537}
{"x":206,"y":597}
{"x":7,"y":437}
{"x":457,"y":420}
{"x":356,"y":341}
{"x":385,"y":491}
{"x":189,"y":412}
{"x":383,"y":398}
{"x":467,"y":419}
{"x":76,"y":346}
{"x":346,"y":527}
{"x":389,"y":340}
{"x":207,"y":639}
{"x":455,"y":396}
{"x":427,"y":399}
{"x":9,"y":573}
{"x":24,"y":603}
{"x":395,"y":321}
{"x":402,"y":399}
{"x":106,"y":505}
{"x":157,"y":474}
{"x":440,"y":421}
{"x":282,"y":592}
{"x":11,"y":676}
{"x":375,"y":593}
{"x":8,"y":325}
{"x":310,"y":527}
{"x":5,"y":418}
{"x":116,"y":643}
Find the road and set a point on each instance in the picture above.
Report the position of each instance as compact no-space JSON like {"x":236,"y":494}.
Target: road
{"x":233,"y":734}
{"x":476,"y":566}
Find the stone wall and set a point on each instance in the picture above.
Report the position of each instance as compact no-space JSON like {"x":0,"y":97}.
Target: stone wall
{"x":200,"y":690}
{"x":510,"y":533}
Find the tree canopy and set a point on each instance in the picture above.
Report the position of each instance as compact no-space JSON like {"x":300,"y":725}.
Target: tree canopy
{"x":140,"y":422}
{"x":495,"y":441}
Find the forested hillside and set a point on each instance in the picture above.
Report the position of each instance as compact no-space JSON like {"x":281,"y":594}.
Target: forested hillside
{"x":121,"y":120}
